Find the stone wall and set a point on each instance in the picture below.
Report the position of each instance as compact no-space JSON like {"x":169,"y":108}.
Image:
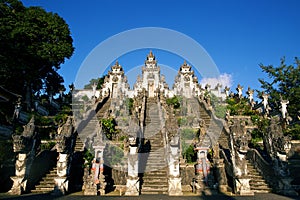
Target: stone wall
{"x":187,"y":173}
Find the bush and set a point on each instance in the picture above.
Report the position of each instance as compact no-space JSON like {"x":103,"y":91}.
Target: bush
{"x":188,"y":152}
{"x":188,"y":134}
{"x":174,"y":101}
{"x":47,"y":146}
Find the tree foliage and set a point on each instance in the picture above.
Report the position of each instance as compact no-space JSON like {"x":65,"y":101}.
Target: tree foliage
{"x":33,"y":45}
{"x":98,"y":81}
{"x":284,"y":83}
{"x":174,"y":101}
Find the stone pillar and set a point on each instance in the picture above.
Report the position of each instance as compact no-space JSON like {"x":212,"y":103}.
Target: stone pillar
{"x":133,"y":183}
{"x":25,"y":146}
{"x":202,"y":166}
{"x":89,"y":186}
{"x":242,"y":186}
{"x":99,"y":177}
{"x":221,"y":175}
{"x":64,"y":144}
{"x":19,"y":185}
{"x":61,"y":181}
{"x":174,"y":179}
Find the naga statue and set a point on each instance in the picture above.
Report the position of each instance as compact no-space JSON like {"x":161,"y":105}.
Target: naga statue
{"x":64,"y":136}
{"x":24,"y":142}
{"x":240,"y":141}
{"x":25,"y":145}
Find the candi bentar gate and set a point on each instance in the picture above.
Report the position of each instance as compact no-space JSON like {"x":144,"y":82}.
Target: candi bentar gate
{"x":155,"y":140}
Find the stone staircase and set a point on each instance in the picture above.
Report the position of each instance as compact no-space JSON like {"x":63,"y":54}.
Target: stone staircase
{"x":154,"y":172}
{"x":89,"y":127}
{"x":47,"y":184}
{"x":214,"y":131}
{"x":79,"y":146}
{"x":257,"y":182}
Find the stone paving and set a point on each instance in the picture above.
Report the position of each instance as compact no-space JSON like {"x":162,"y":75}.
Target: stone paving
{"x":78,"y":196}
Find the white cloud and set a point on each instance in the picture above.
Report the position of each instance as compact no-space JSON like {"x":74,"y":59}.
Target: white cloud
{"x":223,"y":79}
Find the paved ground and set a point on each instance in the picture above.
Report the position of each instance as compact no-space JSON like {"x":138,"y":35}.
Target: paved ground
{"x":78,"y":196}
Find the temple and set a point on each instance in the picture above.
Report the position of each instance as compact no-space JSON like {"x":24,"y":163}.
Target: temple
{"x":153,"y":139}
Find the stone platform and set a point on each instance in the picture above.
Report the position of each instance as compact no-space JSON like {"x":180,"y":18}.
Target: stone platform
{"x":187,"y":196}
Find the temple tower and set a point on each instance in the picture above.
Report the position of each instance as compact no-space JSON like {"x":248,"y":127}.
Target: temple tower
{"x":116,"y":82}
{"x":186,"y":83}
{"x":150,"y":75}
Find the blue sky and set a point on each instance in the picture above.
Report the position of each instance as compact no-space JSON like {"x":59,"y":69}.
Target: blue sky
{"x":238,"y":35}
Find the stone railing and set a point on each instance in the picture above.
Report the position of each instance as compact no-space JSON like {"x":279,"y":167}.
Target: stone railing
{"x":228,"y":164}
{"x":263,"y":167}
{"x":222,"y":124}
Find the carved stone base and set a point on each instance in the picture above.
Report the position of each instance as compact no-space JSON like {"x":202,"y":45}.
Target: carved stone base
{"x":175,"y":187}
{"x":90,"y":192}
{"x":243,"y":187}
{"x":61,"y":186}
{"x":286,"y":188}
{"x":132,"y":187}
{"x":19,"y":185}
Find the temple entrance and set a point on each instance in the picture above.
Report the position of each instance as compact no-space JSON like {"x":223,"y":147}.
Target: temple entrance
{"x":114,"y":90}
{"x":187,"y":90}
{"x":151,"y":89}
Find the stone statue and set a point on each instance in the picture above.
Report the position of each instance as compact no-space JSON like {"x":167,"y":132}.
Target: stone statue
{"x":266,"y":107}
{"x":25,"y":146}
{"x":250,"y":96}
{"x":240,"y":90}
{"x":284,"y":104}
{"x":17,"y":110}
{"x":24,"y":142}
{"x":240,"y":147}
{"x":63,"y":137}
{"x":226,"y":90}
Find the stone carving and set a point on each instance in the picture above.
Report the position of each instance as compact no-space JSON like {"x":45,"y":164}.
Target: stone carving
{"x":133,"y":184}
{"x":64,"y":136}
{"x":202,"y":166}
{"x":24,"y":142}
{"x":278,"y":147}
{"x":239,"y":139}
{"x":17,"y":110}
{"x":175,"y":188}
{"x":25,"y":146}
{"x":275,"y":142}
{"x":89,"y":186}
{"x":250,"y":96}
{"x":240,"y":91}
{"x":174,"y":179}
{"x":61,"y":182}
{"x":226,"y":90}
{"x":284,"y":112}
{"x":266,"y":107}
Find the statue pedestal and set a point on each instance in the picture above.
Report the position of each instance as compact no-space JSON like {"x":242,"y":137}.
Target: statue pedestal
{"x":132,"y":187}
{"x":175,"y":187}
{"x":243,"y":187}
{"x":61,"y":186}
{"x":18,"y":186}
{"x":286,"y":187}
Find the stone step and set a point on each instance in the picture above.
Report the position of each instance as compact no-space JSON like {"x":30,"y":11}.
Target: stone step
{"x":157,"y":174}
{"x":264,"y":187}
{"x":42,"y":191}
{"x":45,"y":185}
{"x":157,"y":188}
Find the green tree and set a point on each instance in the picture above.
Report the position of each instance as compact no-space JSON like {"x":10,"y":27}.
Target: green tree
{"x":98,"y":81}
{"x":33,"y":45}
{"x":284,"y":83}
